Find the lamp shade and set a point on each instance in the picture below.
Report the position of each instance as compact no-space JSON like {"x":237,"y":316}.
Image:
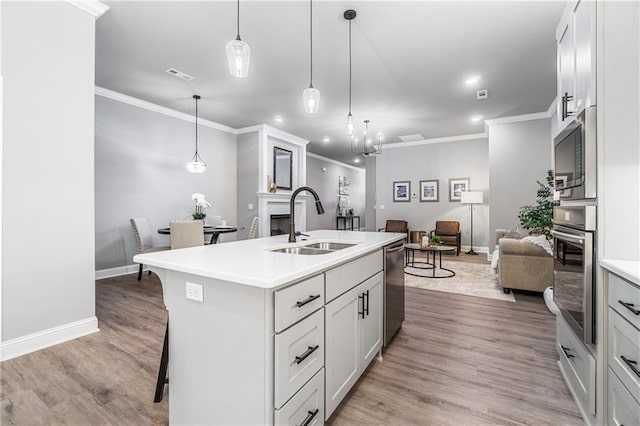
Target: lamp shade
{"x":471,"y":197}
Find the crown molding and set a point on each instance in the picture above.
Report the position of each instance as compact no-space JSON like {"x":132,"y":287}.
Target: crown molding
{"x":332,"y":161}
{"x":524,"y":117}
{"x":552,"y":107}
{"x":92,"y":7}
{"x":435,"y":140}
{"x":130,"y":100}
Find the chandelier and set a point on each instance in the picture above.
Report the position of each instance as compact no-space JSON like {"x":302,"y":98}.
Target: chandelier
{"x":369,"y":144}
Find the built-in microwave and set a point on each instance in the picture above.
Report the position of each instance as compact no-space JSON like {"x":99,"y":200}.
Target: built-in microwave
{"x":575,"y":157}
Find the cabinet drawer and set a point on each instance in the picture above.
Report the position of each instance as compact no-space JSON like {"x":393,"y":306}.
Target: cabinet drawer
{"x":624,"y":352}
{"x":306,"y":407}
{"x":299,"y":354}
{"x":343,"y":278}
{"x":624,"y":297}
{"x":578,"y":365}
{"x":297,"y":301}
{"x":623,"y":409}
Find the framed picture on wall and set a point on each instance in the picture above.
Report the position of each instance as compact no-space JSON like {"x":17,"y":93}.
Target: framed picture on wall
{"x":457,"y":186}
{"x":429,"y":190}
{"x":401,"y":191}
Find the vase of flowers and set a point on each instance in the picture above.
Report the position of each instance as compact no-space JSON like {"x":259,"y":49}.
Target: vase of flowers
{"x":200,"y":205}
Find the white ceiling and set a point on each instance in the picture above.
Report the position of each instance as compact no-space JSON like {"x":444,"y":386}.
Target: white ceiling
{"x":410,"y":60}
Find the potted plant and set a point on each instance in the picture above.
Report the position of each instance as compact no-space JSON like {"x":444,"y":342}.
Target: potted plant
{"x":435,"y":240}
{"x":538,"y":219}
{"x":200,"y":205}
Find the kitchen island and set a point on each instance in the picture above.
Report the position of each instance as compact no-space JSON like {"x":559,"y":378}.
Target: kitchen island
{"x":259,"y":335}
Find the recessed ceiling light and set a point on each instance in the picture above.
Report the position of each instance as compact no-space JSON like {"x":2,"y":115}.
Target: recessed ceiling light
{"x":278,"y":118}
{"x":357,"y":160}
{"x":476,"y":118}
{"x":326,"y":139}
{"x":472,"y":80}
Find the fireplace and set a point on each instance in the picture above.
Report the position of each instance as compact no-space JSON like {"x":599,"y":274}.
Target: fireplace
{"x":280,"y":224}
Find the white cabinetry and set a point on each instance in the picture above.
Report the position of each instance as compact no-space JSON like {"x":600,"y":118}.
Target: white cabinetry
{"x":353,"y":337}
{"x":575,"y":36}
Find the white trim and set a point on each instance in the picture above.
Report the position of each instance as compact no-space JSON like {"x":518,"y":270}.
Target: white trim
{"x":43,"y":339}
{"x":329,"y":160}
{"x":118,"y":271}
{"x":475,"y":248}
{"x":552,"y":107}
{"x":435,"y":140}
{"x":93,"y":7}
{"x":518,"y":118}
{"x":130,"y":100}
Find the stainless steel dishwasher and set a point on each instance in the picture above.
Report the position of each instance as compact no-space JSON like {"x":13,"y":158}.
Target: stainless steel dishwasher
{"x":393,"y":289}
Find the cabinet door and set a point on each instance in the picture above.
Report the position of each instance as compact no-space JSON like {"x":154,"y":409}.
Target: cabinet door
{"x":341,"y":344}
{"x":566,"y":69}
{"x":584,"y":22}
{"x":371,"y":324}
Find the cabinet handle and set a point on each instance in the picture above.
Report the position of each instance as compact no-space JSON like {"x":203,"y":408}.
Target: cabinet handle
{"x":564,"y":108}
{"x":310,"y":416}
{"x":366,"y":310}
{"x":361,"y":297}
{"x":629,"y":306}
{"x":567,"y":98}
{"x":308,"y":300}
{"x":306,"y":354}
{"x":631,"y":364}
{"x":566,"y":352}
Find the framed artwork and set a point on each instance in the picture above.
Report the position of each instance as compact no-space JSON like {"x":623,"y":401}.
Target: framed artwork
{"x":402,"y":191}
{"x":429,"y":190}
{"x":343,"y":185}
{"x":457,"y":186}
{"x":562,"y":180}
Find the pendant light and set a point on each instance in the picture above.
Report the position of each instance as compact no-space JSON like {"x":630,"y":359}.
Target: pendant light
{"x":368,"y":146}
{"x":350,"y":15}
{"x":238,"y":52}
{"x":197,"y":164}
{"x":311,"y":95}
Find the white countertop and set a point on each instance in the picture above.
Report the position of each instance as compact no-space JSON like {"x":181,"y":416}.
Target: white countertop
{"x":627,"y":269}
{"x":250,"y":262}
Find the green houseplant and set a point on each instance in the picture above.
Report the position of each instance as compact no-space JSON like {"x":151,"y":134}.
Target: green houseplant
{"x":538,"y":219}
{"x":435,"y":240}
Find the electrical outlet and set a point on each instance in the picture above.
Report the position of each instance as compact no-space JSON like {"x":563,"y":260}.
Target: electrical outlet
{"x":250,"y":206}
{"x":381,"y":207}
{"x":194,"y":292}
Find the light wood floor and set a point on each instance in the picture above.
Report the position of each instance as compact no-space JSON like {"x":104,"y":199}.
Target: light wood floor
{"x":458,"y":360}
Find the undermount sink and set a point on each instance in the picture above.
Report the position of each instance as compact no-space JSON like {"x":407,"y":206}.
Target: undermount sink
{"x":324,"y":247}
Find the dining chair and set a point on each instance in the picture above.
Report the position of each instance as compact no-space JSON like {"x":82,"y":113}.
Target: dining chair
{"x":253,"y":231}
{"x":144,"y":239}
{"x":186,"y":233}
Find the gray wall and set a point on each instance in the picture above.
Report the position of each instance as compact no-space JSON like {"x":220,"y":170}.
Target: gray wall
{"x":435,"y":161}
{"x":248,"y":157}
{"x":326,"y":185}
{"x":47,"y":167}
{"x":370,"y":192}
{"x":519,"y":155}
{"x":140,"y":171}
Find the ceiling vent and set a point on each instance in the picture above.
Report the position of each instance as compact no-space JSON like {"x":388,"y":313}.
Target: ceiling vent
{"x":179,"y":74}
{"x":411,"y":138}
{"x":482,"y":94}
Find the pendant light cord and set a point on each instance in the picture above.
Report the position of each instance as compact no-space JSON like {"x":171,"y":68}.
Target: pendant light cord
{"x":238,"y":20}
{"x":311,"y":41}
{"x":196,"y":156}
{"x":349,"y":67}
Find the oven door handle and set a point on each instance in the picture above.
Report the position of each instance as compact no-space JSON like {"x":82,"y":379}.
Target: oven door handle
{"x":569,"y":237}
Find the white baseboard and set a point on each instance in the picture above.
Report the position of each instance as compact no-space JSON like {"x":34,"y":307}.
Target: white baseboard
{"x":475,"y":248}
{"x":43,"y":339}
{"x":120,"y":270}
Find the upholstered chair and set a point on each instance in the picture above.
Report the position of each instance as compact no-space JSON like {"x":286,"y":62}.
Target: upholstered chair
{"x":396,"y":226}
{"x":144,"y":239}
{"x":253,"y":231}
{"x":449,"y":233}
{"x":186,"y":233}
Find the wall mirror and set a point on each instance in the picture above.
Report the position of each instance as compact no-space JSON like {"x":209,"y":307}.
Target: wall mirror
{"x":282,"y":167}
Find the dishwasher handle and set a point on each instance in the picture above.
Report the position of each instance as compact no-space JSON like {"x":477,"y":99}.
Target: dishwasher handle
{"x":394,"y":248}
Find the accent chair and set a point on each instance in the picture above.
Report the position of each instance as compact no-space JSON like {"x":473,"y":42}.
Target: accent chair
{"x":449,"y":233}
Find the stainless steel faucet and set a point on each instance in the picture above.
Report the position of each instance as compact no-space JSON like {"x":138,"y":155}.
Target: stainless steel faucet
{"x":292,"y":221}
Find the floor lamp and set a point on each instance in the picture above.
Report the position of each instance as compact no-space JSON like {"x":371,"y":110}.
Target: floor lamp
{"x":471,"y":197}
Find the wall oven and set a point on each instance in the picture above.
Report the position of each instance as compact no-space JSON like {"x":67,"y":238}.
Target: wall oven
{"x":575,"y":256}
{"x":575,"y":157}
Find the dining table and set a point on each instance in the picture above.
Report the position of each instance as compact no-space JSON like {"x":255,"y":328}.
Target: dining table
{"x":214,"y":231}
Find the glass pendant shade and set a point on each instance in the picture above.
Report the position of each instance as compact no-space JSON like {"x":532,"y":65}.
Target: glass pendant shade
{"x":311,"y":99}
{"x":196,"y":166}
{"x":238,"y":57}
{"x":350,"y":127}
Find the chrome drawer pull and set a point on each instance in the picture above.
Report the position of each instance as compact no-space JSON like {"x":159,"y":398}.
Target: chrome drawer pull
{"x":631,"y":364}
{"x":566,"y":352}
{"x":629,"y":306}
{"x":307,"y":300}
{"x":306,"y":353}
{"x":310,"y":416}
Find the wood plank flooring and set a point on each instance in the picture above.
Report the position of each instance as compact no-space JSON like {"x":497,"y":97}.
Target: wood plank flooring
{"x":458,"y":360}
